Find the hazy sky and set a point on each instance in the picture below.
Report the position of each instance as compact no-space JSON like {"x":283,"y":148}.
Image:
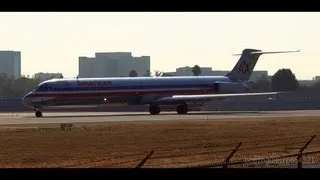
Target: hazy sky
{"x":52,"y":42}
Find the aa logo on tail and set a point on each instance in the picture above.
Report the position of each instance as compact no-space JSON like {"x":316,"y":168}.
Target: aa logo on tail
{"x":244,"y":67}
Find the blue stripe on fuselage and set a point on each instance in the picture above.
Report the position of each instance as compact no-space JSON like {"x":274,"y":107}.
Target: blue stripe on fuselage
{"x":131,"y":83}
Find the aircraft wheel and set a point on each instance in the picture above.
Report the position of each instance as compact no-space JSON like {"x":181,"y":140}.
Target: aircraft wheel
{"x":182,"y":109}
{"x":154,"y":109}
{"x":38,"y":114}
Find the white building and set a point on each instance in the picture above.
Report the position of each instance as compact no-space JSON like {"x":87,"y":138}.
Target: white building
{"x":46,"y":76}
{"x":187,"y":71}
{"x":10,"y":63}
{"x":112,"y":64}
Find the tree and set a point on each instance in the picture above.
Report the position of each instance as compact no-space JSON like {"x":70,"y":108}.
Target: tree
{"x":158,"y":73}
{"x":316,"y":85}
{"x":148,"y":73}
{"x":284,"y":80}
{"x":16,"y":88}
{"x":196,"y":70}
{"x":262,"y":84}
{"x":133,"y":73}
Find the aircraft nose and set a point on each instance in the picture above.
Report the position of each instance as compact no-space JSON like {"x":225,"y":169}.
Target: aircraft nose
{"x":26,"y":100}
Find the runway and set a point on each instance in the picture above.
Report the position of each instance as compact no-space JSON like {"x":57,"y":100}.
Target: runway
{"x":21,"y":118}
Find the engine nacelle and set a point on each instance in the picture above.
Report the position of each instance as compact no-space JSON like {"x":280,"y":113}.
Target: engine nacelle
{"x":225,"y":87}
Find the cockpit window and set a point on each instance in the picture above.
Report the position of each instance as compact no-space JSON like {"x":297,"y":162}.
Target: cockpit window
{"x":43,"y":87}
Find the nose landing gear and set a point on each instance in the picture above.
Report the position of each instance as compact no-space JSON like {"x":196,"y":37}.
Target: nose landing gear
{"x":38,"y":113}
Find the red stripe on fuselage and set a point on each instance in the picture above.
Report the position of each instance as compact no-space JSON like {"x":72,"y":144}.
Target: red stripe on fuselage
{"x":124,"y":93}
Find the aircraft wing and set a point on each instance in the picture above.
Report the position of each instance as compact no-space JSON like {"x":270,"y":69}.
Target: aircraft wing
{"x":208,"y":97}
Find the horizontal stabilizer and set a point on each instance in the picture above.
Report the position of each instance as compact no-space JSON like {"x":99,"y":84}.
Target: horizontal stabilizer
{"x":271,"y":52}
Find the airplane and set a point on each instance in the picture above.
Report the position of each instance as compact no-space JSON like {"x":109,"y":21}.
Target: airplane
{"x":152,"y":91}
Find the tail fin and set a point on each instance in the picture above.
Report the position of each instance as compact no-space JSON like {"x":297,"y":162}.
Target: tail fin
{"x":248,"y":59}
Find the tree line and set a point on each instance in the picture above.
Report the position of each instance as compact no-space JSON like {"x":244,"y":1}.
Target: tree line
{"x":13,"y":88}
{"x":282,"y":80}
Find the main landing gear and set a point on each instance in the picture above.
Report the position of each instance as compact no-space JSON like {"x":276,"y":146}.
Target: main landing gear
{"x":38,"y":113}
{"x":154,"y":109}
{"x":182,"y":109}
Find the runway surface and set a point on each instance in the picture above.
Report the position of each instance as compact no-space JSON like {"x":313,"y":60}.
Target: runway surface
{"x":87,"y":117}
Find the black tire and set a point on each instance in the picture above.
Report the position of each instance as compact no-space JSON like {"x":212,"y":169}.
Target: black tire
{"x":154,"y":109}
{"x":38,"y":114}
{"x":182,"y":109}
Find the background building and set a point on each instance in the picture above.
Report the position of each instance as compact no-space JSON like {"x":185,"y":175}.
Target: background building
{"x":46,"y":76}
{"x":85,"y":66}
{"x":112,"y":64}
{"x":187,"y":71}
{"x":207,"y":71}
{"x":10,"y":63}
{"x":316,"y":78}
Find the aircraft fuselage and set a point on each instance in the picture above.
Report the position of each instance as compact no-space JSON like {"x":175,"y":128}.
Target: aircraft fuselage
{"x":128,"y":90}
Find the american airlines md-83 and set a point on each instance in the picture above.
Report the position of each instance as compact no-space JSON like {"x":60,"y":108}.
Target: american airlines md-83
{"x":152,"y":91}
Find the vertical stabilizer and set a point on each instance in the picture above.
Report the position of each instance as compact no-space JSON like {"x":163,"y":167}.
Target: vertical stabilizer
{"x":248,"y":60}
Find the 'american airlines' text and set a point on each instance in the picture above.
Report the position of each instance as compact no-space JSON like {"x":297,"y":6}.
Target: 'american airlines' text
{"x":94,"y":83}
